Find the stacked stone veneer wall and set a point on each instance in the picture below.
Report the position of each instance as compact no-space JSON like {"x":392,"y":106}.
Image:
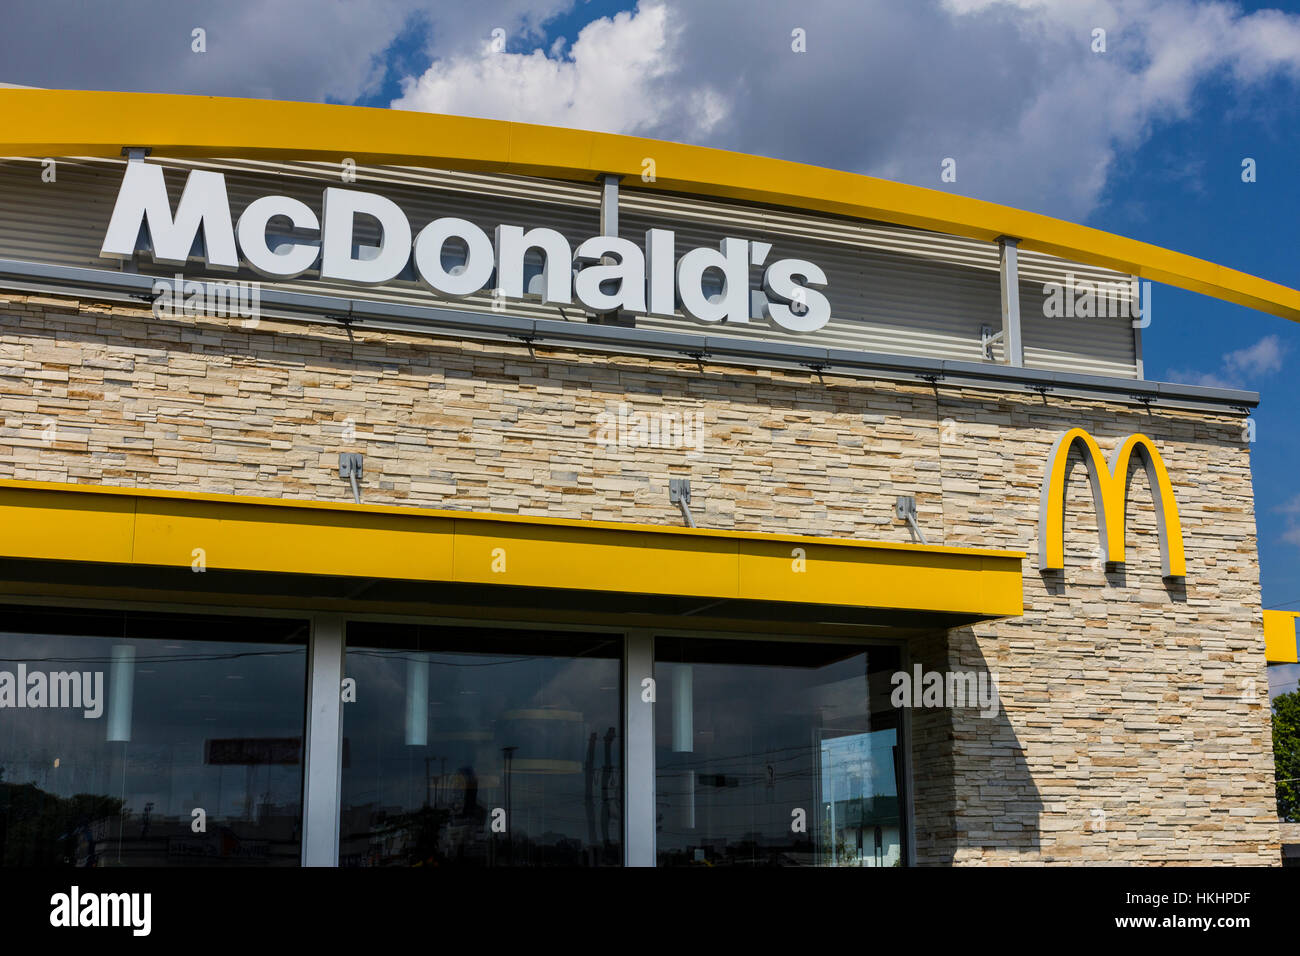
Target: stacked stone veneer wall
{"x":1134,"y":724}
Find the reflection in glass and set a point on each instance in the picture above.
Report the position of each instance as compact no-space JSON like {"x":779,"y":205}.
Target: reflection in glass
{"x":481,"y":747}
{"x":116,"y":727}
{"x":772,"y":753}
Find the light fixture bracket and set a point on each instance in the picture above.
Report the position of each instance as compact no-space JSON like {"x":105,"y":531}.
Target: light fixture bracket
{"x":988,"y":338}
{"x":679,"y":494}
{"x":905,"y":508}
{"x":351,"y":465}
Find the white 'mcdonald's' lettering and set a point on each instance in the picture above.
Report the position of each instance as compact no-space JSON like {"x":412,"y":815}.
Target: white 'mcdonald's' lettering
{"x":605,"y":273}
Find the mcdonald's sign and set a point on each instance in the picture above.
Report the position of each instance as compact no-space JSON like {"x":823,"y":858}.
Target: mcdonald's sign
{"x":1109,"y":482}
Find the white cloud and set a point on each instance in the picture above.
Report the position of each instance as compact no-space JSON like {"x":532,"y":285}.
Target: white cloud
{"x":610,"y":79}
{"x":1291,"y":533}
{"x":287,"y":50}
{"x":1238,"y":366}
{"x":1262,"y":358}
{"x":1011,"y":90}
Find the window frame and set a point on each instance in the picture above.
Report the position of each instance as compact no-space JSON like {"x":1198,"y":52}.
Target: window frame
{"x":322,"y":746}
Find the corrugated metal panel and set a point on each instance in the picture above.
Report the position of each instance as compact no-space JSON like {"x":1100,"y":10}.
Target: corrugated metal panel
{"x":1039,"y":267}
{"x":65,"y":222}
{"x":1092,"y":346}
{"x":893,"y":289}
{"x":860,"y":234}
{"x":902,"y":290}
{"x":55,"y":222}
{"x":880,"y":302}
{"x":885,"y":237}
{"x":516,"y":187}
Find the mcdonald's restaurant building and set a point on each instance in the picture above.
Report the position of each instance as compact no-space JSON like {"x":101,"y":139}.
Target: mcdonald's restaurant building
{"x":389,"y":489}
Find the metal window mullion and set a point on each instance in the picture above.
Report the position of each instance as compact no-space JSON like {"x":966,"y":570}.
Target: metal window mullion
{"x":1008,"y":269}
{"x":609,"y":205}
{"x":1138,"y":364}
{"x":323,"y":749}
{"x":904,"y":787}
{"x":638,"y":752}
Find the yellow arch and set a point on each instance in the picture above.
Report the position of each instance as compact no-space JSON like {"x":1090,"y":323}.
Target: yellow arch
{"x":1109,"y":482}
{"x":42,"y":123}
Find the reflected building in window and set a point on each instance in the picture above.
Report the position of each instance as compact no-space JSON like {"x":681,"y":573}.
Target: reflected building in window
{"x":776,"y":754}
{"x":482,"y":747}
{"x":150,"y":739}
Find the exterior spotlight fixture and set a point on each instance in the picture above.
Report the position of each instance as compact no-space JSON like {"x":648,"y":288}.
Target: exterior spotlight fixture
{"x":350,"y":467}
{"x":905,"y":508}
{"x":679,"y":494}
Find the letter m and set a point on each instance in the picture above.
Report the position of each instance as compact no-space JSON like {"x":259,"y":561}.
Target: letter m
{"x":142,"y":200}
{"x":1110,"y":498}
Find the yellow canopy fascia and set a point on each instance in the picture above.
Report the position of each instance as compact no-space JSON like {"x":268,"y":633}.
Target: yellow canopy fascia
{"x":51,"y":123}
{"x":146,"y":527}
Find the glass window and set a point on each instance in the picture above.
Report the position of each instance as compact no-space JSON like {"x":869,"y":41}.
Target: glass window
{"x":481,"y":747}
{"x":772,"y":753}
{"x":150,"y":739}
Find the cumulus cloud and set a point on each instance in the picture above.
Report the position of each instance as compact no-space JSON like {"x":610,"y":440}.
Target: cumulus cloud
{"x":1262,"y":358}
{"x":286,"y":50}
{"x":1011,"y":89}
{"x":618,"y":76}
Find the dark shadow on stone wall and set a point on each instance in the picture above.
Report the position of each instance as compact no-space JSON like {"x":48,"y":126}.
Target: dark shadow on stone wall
{"x":973,"y":792}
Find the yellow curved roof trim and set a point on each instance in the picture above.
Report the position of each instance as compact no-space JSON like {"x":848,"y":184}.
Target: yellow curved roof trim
{"x":41,"y":123}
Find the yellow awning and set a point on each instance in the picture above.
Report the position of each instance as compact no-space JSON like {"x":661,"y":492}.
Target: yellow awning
{"x":170,"y":529}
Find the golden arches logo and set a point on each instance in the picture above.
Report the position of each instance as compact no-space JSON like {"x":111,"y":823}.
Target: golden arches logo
{"x":1109,"y":482}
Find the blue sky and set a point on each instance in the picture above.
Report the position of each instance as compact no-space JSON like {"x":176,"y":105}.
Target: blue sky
{"x":1145,"y":140}
{"x":1182,"y":189}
